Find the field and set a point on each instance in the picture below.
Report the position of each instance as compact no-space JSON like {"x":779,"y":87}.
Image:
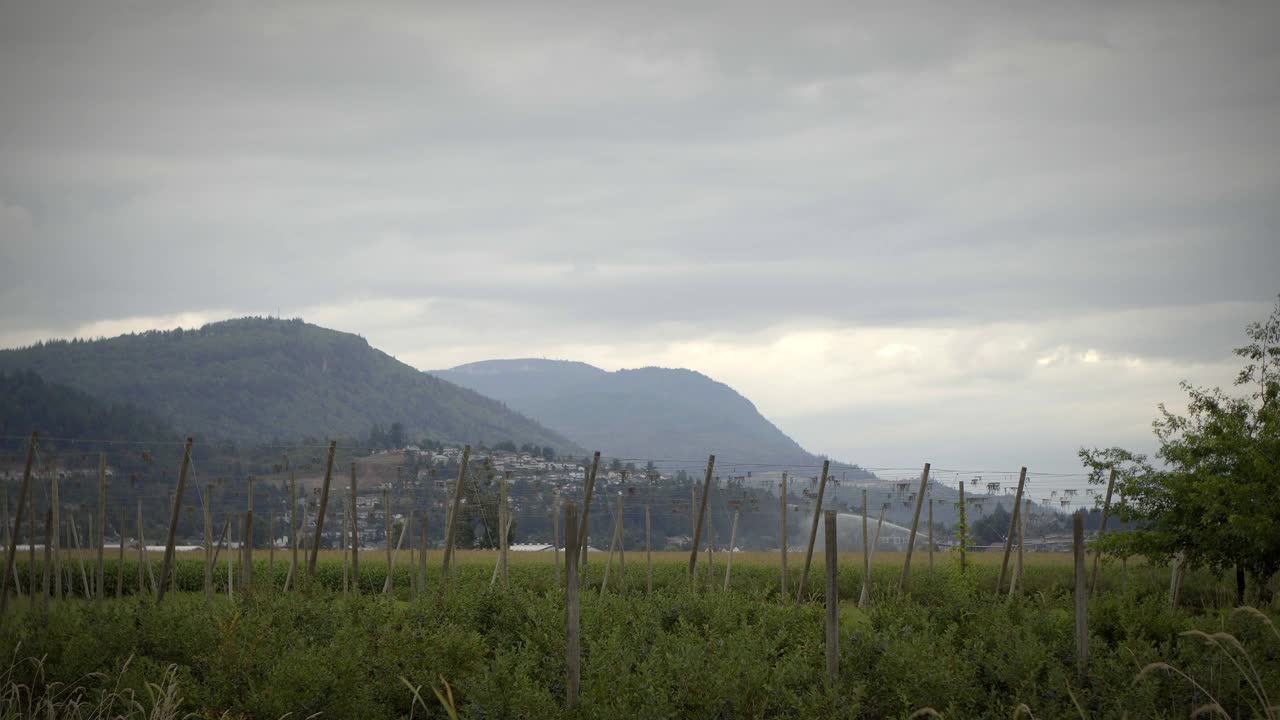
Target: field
{"x":948,"y":645}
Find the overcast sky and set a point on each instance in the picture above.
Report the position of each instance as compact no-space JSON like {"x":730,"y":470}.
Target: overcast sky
{"x":977,"y":233}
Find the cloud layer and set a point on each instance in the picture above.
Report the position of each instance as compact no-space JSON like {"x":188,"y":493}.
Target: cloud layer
{"x":975,"y":234}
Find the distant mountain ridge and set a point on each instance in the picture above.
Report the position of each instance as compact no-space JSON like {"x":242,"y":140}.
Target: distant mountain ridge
{"x":646,"y":413}
{"x":269,"y":378}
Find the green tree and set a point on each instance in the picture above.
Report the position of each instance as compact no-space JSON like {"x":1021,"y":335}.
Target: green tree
{"x":1216,"y":501}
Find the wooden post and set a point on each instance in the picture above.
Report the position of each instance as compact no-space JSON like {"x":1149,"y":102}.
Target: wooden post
{"x":865,"y":599}
{"x":648,"y":555}
{"x":503,"y":527}
{"x":584,"y":532}
{"x":10,"y":537}
{"x":1013,"y":524}
{"x":813,"y":530}
{"x":142,"y":580}
{"x":555,"y":535}
{"x":248,"y":541}
{"x":100,"y":572}
{"x":915,"y":526}
{"x":1102,"y":530}
{"x":408,"y":524}
{"x":84,"y":572}
{"x":342,"y":548}
{"x":324,"y":503}
{"x":964,"y":530}
{"x":622,"y":548}
{"x":866,"y":556}
{"x":17,"y":524}
{"x":208,"y":540}
{"x":608,"y":563}
{"x":702,"y":510}
{"x":711,"y":542}
{"x":930,"y":534}
{"x":572,"y":638}
{"x":422,"y":555}
{"x":782,"y":503}
{"x":54,"y":503}
{"x":833,"y":599}
{"x":456,"y":508}
{"x":389,"y":585}
{"x":293,"y":531}
{"x":167,"y":566}
{"x":386,"y":531}
{"x":120,"y":559}
{"x":31,"y":550}
{"x":353,"y":545}
{"x":1081,"y":595}
{"x":1017,"y":562}
{"x":733,"y":536}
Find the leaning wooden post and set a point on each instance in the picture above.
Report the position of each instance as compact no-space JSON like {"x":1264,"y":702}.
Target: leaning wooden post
{"x":208,"y":540}
{"x":866,"y":556}
{"x":572,"y":643}
{"x":782,"y":507}
{"x":963,"y":531}
{"x":54,"y":502}
{"x":100,"y":573}
{"x":455,"y":509}
{"x":733,"y":536}
{"x":1013,"y":525}
{"x":702,"y":510}
{"x":589,"y":486}
{"x":1081,"y":595}
{"x":174,"y":513}
{"x":648,"y":555}
{"x":17,"y":523}
{"x":324,"y":503}
{"x":813,"y":530}
{"x":354,"y":543}
{"x":930,"y":534}
{"x":915,"y":526}
{"x":1102,"y":530}
{"x":833,"y":599}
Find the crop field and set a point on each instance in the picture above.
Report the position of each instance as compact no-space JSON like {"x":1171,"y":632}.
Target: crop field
{"x":470,"y":647}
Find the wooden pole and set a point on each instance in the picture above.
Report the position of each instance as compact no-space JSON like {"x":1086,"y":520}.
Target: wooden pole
{"x":573,"y":648}
{"x":502,"y":528}
{"x":10,"y":539}
{"x":17,"y":524}
{"x":930,"y":534}
{"x":711,"y":542}
{"x":174,"y":512}
{"x":293,"y":531}
{"x":386,"y":532}
{"x":555,"y":535}
{"x":915,"y":526}
{"x":54,"y":503}
{"x":455,"y":509}
{"x":206,"y":507}
{"x":865,"y":599}
{"x":832,"y":598}
{"x":31,"y":550}
{"x":584,"y":533}
{"x":324,"y":503}
{"x":1102,"y":530}
{"x":1081,"y":596}
{"x":1013,"y":524}
{"x":813,"y":530}
{"x":963,"y":531}
{"x":782,"y":508}
{"x":142,"y":550}
{"x":389,"y":585}
{"x":1017,"y":562}
{"x":702,"y":510}
{"x":342,"y":548}
{"x":408,"y":524}
{"x":622,"y":548}
{"x":608,"y":563}
{"x":866,"y":555}
{"x":353,"y":545}
{"x":733,"y":536}
{"x":648,"y":555}
{"x":100,"y":572}
{"x":84,"y":572}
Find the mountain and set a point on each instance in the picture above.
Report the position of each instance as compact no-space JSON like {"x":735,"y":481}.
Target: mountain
{"x":647,"y":413}
{"x":264,"y":378}
{"x":28,"y":402}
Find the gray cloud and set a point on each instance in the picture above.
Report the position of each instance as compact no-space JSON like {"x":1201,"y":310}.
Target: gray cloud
{"x":522,"y":179}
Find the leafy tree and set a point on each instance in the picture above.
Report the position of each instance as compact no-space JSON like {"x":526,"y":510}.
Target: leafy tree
{"x":396,"y":436}
{"x":1217,"y":500}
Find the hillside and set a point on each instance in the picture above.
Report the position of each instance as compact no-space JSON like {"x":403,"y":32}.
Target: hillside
{"x":657,"y":413}
{"x":256,"y":378}
{"x":28,"y":402}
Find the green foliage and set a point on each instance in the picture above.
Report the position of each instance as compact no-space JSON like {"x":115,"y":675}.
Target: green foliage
{"x":265,"y":377}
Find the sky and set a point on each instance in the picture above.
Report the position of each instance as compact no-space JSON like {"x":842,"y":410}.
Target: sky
{"x":976,"y":233}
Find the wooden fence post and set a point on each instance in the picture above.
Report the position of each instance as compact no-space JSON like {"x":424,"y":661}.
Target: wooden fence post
{"x":572,"y":638}
{"x":866,"y":556}
{"x":584,"y":533}
{"x":1013,"y":524}
{"x":324,"y":503}
{"x":174,"y":513}
{"x":1102,"y":530}
{"x":702,"y":510}
{"x":813,"y":530}
{"x":451,"y":531}
{"x":17,"y":524}
{"x":833,"y":599}
{"x":100,"y":573}
{"x":733,"y":536}
{"x":963,"y":531}
{"x":1081,"y":595}
{"x":648,"y":556}
{"x":782,"y":507}
{"x":915,"y":526}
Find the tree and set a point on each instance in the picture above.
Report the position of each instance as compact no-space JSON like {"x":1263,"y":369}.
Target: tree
{"x":991,"y":529}
{"x":396,"y":436}
{"x":1216,"y":503}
